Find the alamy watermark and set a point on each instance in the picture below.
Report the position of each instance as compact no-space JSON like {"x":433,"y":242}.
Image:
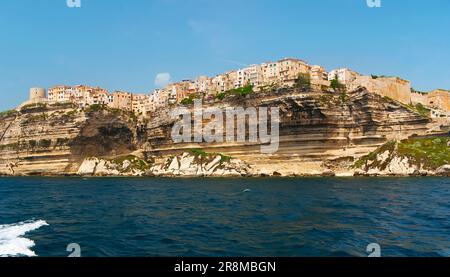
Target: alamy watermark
{"x":77,"y":3}
{"x":74,"y":249}
{"x":374,"y":250}
{"x":73,"y":3}
{"x":374,"y":3}
{"x":241,"y":125}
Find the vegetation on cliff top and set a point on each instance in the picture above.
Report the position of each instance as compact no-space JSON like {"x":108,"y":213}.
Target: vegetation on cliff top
{"x":190,"y":99}
{"x":420,"y":109}
{"x":38,"y":107}
{"x":243,"y":91}
{"x":336,"y":85}
{"x":429,"y":153}
{"x":98,"y":108}
{"x":303,"y":81}
{"x":371,"y":158}
{"x":9,"y":113}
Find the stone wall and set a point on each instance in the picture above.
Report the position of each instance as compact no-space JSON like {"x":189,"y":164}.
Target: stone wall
{"x":439,"y":99}
{"x":392,"y":87}
{"x":419,"y":98}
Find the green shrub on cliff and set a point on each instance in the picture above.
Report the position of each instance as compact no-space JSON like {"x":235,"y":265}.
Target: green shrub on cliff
{"x":430,"y":152}
{"x":72,"y":113}
{"x":336,"y":85}
{"x":64,"y":105}
{"x":242,"y":91}
{"x":121,"y":159}
{"x":31,"y":108}
{"x":204,"y":156}
{"x":303,"y":81}
{"x":8,"y":113}
{"x":371,"y":158}
{"x":187,"y":101}
{"x":419,"y":109}
{"x":135,"y":163}
{"x":35,"y":118}
{"x":95,"y":108}
{"x":220,"y":96}
{"x":198,"y":152}
{"x":344,"y":97}
{"x":422,"y":110}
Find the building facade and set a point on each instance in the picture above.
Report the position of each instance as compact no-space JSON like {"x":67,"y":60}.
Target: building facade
{"x":122,"y":100}
{"x":344,"y":75}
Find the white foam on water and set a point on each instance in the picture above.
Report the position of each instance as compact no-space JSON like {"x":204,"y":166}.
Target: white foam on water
{"x":12,"y":242}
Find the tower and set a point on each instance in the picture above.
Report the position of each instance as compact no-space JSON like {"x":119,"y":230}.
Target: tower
{"x":37,"y":95}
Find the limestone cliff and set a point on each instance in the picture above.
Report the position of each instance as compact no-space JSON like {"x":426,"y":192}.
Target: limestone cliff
{"x":55,"y":140}
{"x":319,"y":131}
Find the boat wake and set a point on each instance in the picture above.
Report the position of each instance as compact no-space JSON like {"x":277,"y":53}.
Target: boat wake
{"x":12,"y":242}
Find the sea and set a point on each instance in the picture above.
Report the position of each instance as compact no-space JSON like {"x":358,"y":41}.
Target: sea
{"x":230,"y":217}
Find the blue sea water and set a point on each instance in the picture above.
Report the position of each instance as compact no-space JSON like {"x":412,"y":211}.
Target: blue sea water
{"x":123,"y":217}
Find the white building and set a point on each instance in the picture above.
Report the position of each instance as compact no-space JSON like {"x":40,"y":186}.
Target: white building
{"x":253,"y":75}
{"x":160,"y":98}
{"x":344,"y":75}
{"x":202,"y":84}
{"x":62,"y":94}
{"x":139,"y":103}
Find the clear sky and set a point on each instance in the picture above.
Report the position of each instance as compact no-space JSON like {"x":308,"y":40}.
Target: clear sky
{"x":124,"y":44}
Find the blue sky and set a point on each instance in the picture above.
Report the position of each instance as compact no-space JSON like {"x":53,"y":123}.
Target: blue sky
{"x":124,"y":44}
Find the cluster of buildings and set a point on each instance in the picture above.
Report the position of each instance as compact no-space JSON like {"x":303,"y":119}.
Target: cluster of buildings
{"x":271,"y":74}
{"x":282,"y":73}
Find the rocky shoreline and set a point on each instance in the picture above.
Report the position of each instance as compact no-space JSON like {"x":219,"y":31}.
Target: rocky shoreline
{"x":188,"y":165}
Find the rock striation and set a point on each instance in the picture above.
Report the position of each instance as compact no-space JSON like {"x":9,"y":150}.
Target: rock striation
{"x":321,"y":133}
{"x":316,"y":129}
{"x":55,"y":140}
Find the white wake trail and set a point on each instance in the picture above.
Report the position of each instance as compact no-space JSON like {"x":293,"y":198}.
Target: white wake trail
{"x":12,"y":242}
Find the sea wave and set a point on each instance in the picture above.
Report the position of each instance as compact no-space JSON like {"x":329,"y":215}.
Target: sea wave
{"x":12,"y":242}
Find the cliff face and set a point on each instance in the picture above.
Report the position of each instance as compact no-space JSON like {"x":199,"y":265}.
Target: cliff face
{"x":55,"y":140}
{"x":318,"y":131}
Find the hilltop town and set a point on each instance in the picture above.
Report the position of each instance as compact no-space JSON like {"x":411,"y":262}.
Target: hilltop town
{"x":285,"y":73}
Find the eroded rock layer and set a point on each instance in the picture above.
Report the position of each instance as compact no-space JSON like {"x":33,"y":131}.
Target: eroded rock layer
{"x":55,"y":140}
{"x":315,"y":127}
{"x":316,"y":130}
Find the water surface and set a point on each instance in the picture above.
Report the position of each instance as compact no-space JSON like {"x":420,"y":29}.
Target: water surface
{"x":225,"y":217}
